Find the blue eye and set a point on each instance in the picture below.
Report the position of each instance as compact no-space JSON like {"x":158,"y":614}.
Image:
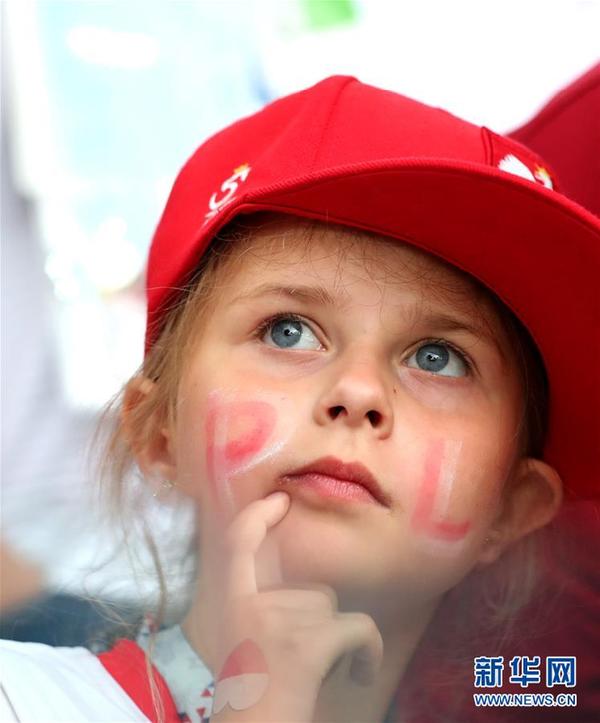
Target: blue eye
{"x":288,"y":332}
{"x":438,"y":358}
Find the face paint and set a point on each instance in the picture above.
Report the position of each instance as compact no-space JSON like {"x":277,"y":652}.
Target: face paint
{"x":243,"y":679}
{"x":239,"y":435}
{"x":433,"y":498}
{"x":240,"y":431}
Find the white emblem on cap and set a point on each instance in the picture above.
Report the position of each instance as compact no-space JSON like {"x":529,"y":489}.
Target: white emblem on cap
{"x":511,"y":164}
{"x":228,"y":188}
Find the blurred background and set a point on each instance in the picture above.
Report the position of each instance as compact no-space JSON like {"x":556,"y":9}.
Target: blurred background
{"x":102,"y":102}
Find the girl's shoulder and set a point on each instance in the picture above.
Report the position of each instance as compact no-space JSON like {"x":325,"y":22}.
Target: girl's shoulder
{"x":42,"y":683}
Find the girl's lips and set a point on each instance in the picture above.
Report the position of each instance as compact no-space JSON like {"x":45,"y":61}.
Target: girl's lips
{"x":332,"y":487}
{"x":331,"y":477}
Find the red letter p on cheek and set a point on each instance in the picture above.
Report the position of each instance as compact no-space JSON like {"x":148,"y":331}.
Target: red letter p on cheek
{"x":236,"y":434}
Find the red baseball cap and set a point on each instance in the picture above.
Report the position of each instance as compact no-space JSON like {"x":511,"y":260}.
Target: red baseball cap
{"x":352,"y":154}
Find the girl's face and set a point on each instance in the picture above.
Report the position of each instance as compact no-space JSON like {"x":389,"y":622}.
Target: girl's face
{"x":374,"y":354}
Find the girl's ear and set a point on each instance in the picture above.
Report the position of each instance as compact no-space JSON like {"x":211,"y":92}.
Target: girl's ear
{"x":143,"y":421}
{"x":532,"y":498}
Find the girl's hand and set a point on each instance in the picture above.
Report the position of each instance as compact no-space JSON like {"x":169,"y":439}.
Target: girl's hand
{"x":278,"y":646}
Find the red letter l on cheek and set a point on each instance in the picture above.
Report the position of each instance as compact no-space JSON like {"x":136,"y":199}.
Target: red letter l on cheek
{"x":423,"y":515}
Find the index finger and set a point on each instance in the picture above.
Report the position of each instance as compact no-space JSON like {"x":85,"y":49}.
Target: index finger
{"x":244,"y":538}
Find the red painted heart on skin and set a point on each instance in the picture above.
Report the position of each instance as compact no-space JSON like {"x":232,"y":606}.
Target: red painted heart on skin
{"x":244,"y":678}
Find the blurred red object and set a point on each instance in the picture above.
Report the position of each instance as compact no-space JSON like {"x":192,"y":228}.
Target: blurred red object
{"x":566,"y":133}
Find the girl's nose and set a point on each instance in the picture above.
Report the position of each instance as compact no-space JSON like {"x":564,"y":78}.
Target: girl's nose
{"x":357,"y":395}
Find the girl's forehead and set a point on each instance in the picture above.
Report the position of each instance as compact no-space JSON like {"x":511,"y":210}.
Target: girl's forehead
{"x":297,"y":251}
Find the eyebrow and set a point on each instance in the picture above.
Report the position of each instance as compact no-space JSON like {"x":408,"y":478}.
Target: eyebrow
{"x":320,"y":295}
{"x":443,"y":323}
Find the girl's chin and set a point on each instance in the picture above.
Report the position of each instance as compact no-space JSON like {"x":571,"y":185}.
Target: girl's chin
{"x":323,"y":553}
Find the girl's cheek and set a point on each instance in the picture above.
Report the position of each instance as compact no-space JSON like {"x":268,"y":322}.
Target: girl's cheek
{"x":239,"y":433}
{"x":453,"y":476}
{"x":446,"y":394}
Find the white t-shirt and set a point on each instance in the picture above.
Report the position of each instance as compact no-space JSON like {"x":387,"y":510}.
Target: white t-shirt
{"x":42,"y":683}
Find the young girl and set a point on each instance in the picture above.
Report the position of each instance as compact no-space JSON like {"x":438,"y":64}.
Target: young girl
{"x":362,"y":365}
